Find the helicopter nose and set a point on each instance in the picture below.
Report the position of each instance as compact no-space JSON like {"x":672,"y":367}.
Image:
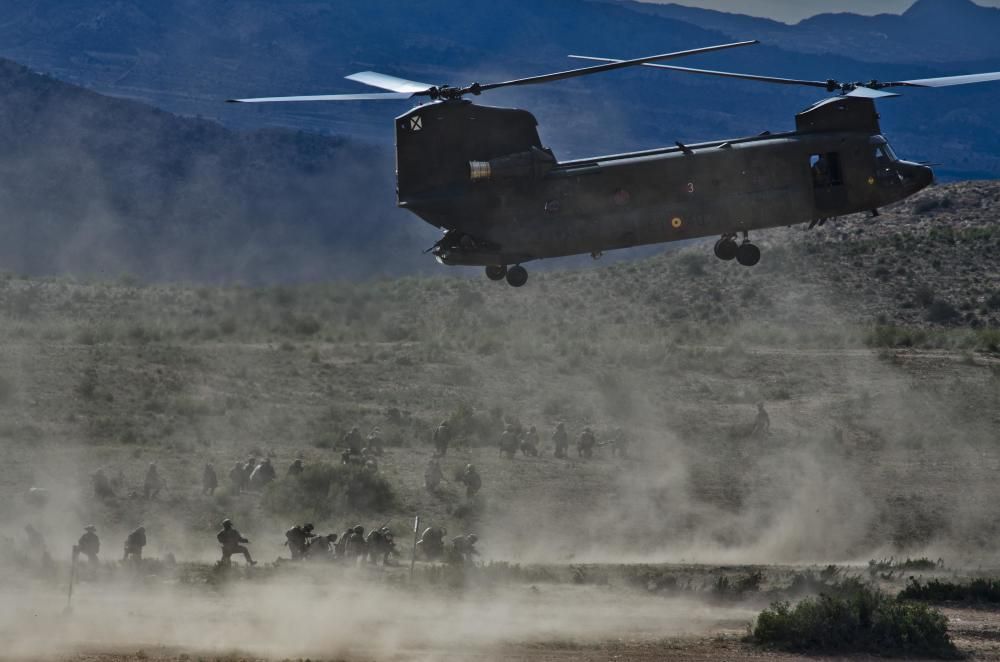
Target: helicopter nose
{"x":918,"y":176}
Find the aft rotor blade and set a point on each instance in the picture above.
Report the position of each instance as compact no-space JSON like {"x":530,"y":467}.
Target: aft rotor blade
{"x":869,"y":93}
{"x":610,"y":66}
{"x":381,"y":96}
{"x":948,"y":81}
{"x":725,"y":74}
{"x":391,"y":83}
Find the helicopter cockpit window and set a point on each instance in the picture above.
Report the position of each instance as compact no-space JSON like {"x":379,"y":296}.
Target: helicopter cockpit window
{"x":826,"y":169}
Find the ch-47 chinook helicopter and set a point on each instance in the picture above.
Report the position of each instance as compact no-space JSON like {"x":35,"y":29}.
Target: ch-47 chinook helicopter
{"x":482,"y":175}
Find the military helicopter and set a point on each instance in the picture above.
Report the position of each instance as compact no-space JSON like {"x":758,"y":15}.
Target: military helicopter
{"x":482,"y":175}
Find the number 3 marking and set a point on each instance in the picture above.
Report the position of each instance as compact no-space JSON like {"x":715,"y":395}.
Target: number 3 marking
{"x":690,"y":187}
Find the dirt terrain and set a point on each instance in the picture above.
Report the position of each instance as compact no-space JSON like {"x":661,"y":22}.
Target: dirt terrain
{"x":872,"y":343}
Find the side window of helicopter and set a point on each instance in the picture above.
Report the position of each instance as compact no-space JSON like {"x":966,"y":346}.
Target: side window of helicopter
{"x":826,"y":169}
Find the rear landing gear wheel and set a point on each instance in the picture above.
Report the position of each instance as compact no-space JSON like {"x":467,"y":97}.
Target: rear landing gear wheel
{"x":517,"y":276}
{"x":496,"y":272}
{"x":748,"y":255}
{"x":726,"y":248}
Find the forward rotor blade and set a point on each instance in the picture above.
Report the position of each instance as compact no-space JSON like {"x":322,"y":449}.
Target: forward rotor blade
{"x":724,"y":74}
{"x":610,"y":66}
{"x":391,"y":83}
{"x":948,"y":81}
{"x":381,"y":96}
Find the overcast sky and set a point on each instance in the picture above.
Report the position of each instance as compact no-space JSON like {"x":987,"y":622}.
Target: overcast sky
{"x":792,"y":11}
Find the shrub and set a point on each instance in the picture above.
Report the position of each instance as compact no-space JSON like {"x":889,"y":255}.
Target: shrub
{"x":980,"y":591}
{"x":855,"y":618}
{"x":941,"y":311}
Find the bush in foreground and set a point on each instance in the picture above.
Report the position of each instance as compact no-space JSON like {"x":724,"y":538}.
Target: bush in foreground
{"x":855,"y":618}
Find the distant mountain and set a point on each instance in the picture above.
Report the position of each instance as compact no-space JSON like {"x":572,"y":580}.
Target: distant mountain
{"x":931,"y":31}
{"x":101,"y":186}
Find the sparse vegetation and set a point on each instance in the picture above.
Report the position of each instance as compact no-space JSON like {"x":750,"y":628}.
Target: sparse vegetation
{"x":855,"y":618}
{"x":976,"y":591}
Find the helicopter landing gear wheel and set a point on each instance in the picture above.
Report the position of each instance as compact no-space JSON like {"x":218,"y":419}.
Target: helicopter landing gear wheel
{"x":748,"y":255}
{"x":517,"y":276}
{"x":496,"y":272}
{"x":726,"y":248}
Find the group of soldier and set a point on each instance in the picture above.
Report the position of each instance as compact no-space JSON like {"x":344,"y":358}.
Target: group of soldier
{"x":469,"y":477}
{"x":352,"y":546}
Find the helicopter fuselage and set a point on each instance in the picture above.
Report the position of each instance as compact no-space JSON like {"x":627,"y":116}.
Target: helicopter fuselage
{"x":519,"y":204}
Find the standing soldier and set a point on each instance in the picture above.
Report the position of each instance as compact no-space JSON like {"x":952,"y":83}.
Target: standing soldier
{"x":472,"y":480}
{"x":152,"y":484}
{"x":89,"y":545}
{"x":232,"y":543}
{"x":248,"y":470}
{"x":509,"y":442}
{"x":209,"y":480}
{"x":433,"y":475}
{"x":529,"y":445}
{"x":134,"y":544}
{"x":762,"y":425}
{"x":442,"y":437}
{"x":236,"y":477}
{"x":355,"y":546}
{"x":295,"y":468}
{"x":585,"y":445}
{"x":560,"y":440}
{"x":36,"y":545}
{"x":262,"y":475}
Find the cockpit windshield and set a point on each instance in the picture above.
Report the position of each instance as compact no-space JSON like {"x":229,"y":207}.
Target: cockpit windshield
{"x":884,"y":153}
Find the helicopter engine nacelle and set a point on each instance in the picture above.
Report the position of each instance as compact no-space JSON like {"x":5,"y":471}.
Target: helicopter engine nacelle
{"x":533,"y":164}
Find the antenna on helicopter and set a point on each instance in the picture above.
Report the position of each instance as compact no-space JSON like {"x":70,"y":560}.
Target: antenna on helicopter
{"x":400,"y":88}
{"x":873,"y":89}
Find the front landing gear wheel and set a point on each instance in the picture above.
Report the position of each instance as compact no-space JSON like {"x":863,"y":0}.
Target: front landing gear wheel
{"x":517,"y":276}
{"x":726,"y":249}
{"x":494,"y":272}
{"x":748,"y":255}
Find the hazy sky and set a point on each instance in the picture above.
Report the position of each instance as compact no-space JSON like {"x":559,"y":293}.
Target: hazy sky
{"x":792,"y":11}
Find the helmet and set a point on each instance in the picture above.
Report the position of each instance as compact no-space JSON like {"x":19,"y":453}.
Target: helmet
{"x":141,"y":529}
{"x":308,"y":527}
{"x":359,"y":529}
{"x":472,"y":538}
{"x":90,"y":527}
{"x":227,"y":523}
{"x":469,"y":467}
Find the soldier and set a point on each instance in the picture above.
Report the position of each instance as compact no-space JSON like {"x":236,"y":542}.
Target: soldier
{"x":263,"y":474}
{"x":472,"y":481}
{"x":585,"y":445}
{"x":433,"y":475}
{"x":209,"y":480}
{"x":442,"y":438}
{"x":509,"y":442}
{"x":297,"y":538}
{"x":232,"y":543}
{"x":463,"y":548}
{"x":296,"y":467}
{"x":354,"y":547}
{"x":237,"y":478}
{"x":102,"y":486}
{"x":36,"y":545}
{"x":134,"y":544}
{"x":353,"y":441}
{"x":89,"y":545}
{"x":321,"y":548}
{"x":152,"y":484}
{"x":529,"y":445}
{"x":248,"y":469}
{"x":431,"y":543}
{"x":375,"y":446}
{"x":560,"y":440}
{"x":762,"y":424}
{"x":380,"y":545}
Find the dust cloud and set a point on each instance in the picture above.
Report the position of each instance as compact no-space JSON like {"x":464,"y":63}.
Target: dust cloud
{"x":339,"y":614}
